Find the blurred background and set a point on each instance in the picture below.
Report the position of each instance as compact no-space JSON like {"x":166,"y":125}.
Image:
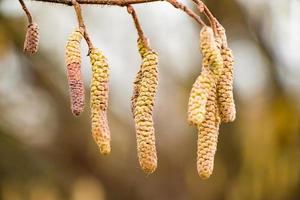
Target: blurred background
{"x":46,"y":153}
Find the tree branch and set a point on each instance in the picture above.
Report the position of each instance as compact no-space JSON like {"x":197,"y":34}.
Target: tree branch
{"x":100,"y":2}
{"x":122,"y":3}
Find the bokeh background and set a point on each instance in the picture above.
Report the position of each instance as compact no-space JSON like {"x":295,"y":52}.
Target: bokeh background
{"x":47,"y":154}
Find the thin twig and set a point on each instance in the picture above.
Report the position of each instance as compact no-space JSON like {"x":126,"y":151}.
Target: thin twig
{"x":24,"y":7}
{"x":204,"y":9}
{"x":188,"y":11}
{"x":81,"y":23}
{"x":137,"y":24}
{"x":100,"y":2}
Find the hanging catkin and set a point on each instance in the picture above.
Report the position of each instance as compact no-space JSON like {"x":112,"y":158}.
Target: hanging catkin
{"x":136,"y":84}
{"x":225,"y":86}
{"x":73,"y":62}
{"x":203,"y":84}
{"x":99,"y":100}
{"x":143,"y":110}
{"x":32,"y":39}
{"x":211,"y":54}
{"x":208,"y":132}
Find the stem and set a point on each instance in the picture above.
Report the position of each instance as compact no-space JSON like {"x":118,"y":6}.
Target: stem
{"x":29,"y":17}
{"x":137,"y":24}
{"x":188,"y":11}
{"x":81,"y":24}
{"x":203,"y":8}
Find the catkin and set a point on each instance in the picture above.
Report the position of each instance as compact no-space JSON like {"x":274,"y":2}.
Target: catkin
{"x":32,"y":39}
{"x":208,"y":132}
{"x":198,"y":98}
{"x":143,"y":110}
{"x":136,"y":84}
{"x":73,"y":62}
{"x":225,"y":85}
{"x":225,"y":88}
{"x":200,"y":90}
{"x":210,"y":51}
{"x":99,"y":100}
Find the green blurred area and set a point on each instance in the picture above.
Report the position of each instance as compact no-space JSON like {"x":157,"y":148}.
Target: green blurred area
{"x":46,"y":153}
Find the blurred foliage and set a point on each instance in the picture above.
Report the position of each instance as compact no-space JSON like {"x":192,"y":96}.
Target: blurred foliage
{"x":48,"y":154}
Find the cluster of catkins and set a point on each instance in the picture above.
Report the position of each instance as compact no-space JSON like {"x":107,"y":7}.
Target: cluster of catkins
{"x":210,"y":103}
{"x":211,"y":99}
{"x":145,"y":87}
{"x":99,"y":88}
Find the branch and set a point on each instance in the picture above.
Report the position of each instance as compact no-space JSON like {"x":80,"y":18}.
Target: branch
{"x":100,"y":2}
{"x":122,"y":3}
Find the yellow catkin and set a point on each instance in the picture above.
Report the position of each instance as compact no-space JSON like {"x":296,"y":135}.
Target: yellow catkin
{"x":199,"y":93}
{"x":208,"y":132}
{"x":136,"y":84}
{"x":99,"y":101}
{"x":73,"y":62}
{"x":210,"y":52}
{"x":32,"y":39}
{"x":225,"y":86}
{"x":143,"y":110}
{"x":198,"y":98}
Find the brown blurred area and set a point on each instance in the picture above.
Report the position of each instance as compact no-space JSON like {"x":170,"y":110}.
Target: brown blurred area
{"x":47,"y":154}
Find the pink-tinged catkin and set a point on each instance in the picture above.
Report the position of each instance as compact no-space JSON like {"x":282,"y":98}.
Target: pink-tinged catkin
{"x":32,"y":39}
{"x":73,"y":62}
{"x":208,"y":132}
{"x":225,"y":85}
{"x":142,"y":104}
{"x":99,"y":100}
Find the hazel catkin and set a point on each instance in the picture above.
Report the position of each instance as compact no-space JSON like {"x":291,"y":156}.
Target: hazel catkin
{"x":99,"y":100}
{"x":199,"y":93}
{"x":225,"y":85}
{"x":143,"y":111}
{"x":210,"y":51}
{"x":73,"y":62}
{"x":198,"y":98}
{"x":136,"y":84}
{"x":208,"y":132}
{"x":225,"y":88}
{"x":32,"y":39}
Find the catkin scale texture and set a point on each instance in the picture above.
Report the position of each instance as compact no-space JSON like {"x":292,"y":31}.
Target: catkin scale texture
{"x":32,"y":39}
{"x":225,"y":88}
{"x":225,"y":85}
{"x":145,"y":88}
{"x":208,"y":132}
{"x":200,"y":91}
{"x":73,"y":62}
{"x":99,"y":100}
{"x":210,"y":51}
{"x":137,"y":81}
{"x":198,"y":97}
